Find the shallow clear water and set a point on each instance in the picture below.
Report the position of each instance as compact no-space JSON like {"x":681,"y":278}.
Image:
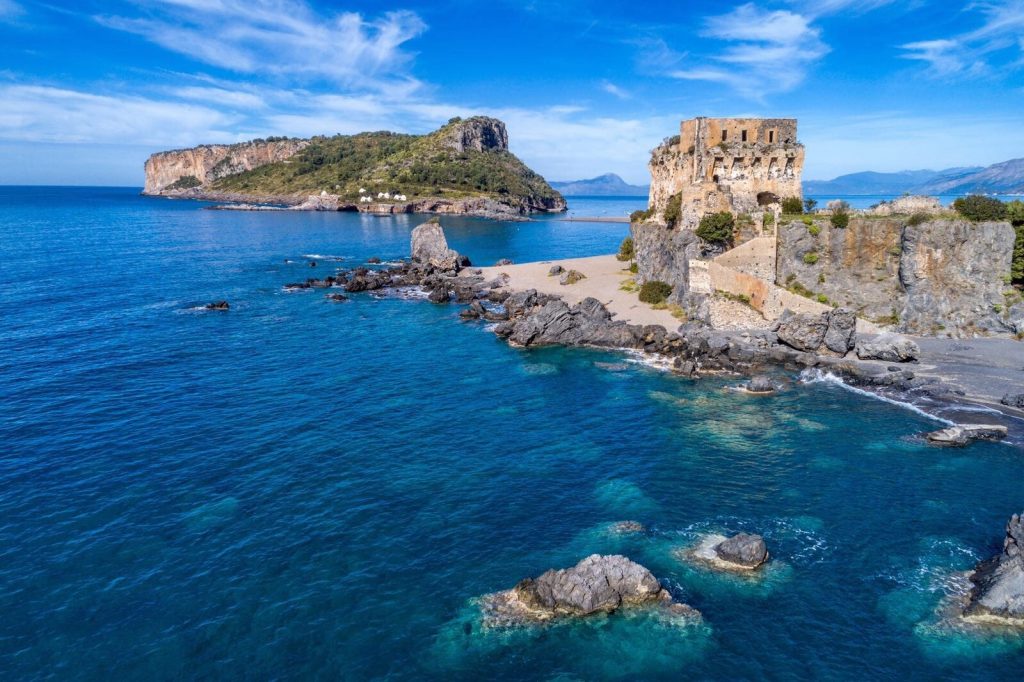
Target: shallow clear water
{"x":298,"y":488}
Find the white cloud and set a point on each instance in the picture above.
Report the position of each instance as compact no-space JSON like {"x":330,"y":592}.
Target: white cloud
{"x":615,"y":90}
{"x":772,"y":51}
{"x":281,"y":37}
{"x":979,"y":51}
{"x":35,"y":113}
{"x":10,"y":10}
{"x":816,"y":8}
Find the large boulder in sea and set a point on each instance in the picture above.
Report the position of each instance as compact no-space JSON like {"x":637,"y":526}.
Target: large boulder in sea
{"x":998,"y":592}
{"x":888,"y":347}
{"x":961,"y":434}
{"x":597,"y":584}
{"x":429,"y":247}
{"x":743,"y":551}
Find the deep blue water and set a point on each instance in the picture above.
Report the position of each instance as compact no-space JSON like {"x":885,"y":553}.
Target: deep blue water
{"x":298,"y":488}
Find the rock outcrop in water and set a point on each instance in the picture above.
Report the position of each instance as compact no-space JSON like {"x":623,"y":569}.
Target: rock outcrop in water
{"x":960,"y":435}
{"x":998,"y":592}
{"x":597,"y":584}
{"x":429,"y":247}
{"x":743,"y":550}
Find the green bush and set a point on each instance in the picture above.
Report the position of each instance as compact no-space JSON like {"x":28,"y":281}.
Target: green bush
{"x":634,"y":268}
{"x":822,"y":298}
{"x":716,"y":228}
{"x":918,"y":218}
{"x":792,"y":205}
{"x":185,"y":182}
{"x":811,"y":257}
{"x":673,"y":210}
{"x":807,"y":220}
{"x":767,"y":221}
{"x":1017,"y":265}
{"x":840,"y":219}
{"x":626,"y":251}
{"x":655,"y":291}
{"x":814,"y":230}
{"x":976,"y":207}
{"x":1015,"y":212}
{"x":639,"y":216}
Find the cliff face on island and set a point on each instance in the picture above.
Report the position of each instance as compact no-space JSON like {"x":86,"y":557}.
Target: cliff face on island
{"x":939,"y":276}
{"x":182,"y":168}
{"x":463,"y":167}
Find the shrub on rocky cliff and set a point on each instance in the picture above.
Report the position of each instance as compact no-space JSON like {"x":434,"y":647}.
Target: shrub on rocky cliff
{"x":792,"y":205}
{"x":673,"y":210}
{"x":655,"y":291}
{"x":185,"y":182}
{"x":639,"y":216}
{"x":977,"y":208}
{"x":1015,"y":214}
{"x":840,"y":219}
{"x":716,"y":228}
{"x":626,"y":250}
{"x":918,"y":218}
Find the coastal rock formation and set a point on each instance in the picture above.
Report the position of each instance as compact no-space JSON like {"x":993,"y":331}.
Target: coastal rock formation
{"x":832,"y":332}
{"x":381,"y":173}
{"x":430,"y":247}
{"x":908,"y":205}
{"x":663,"y":254}
{"x":942,"y":275}
{"x":480,"y":133}
{"x":743,"y":550}
{"x":597,"y":584}
{"x":998,"y":592}
{"x":960,"y":435}
{"x":889,"y":348}
{"x":217,"y":305}
{"x":1013,"y":400}
{"x":760,"y":384}
{"x":206,"y":163}
{"x":537,"y":320}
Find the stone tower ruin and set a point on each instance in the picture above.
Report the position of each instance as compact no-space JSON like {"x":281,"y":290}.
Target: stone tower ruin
{"x":741,"y":165}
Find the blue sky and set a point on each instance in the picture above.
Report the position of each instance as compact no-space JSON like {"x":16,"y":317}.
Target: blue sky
{"x":89,"y":88}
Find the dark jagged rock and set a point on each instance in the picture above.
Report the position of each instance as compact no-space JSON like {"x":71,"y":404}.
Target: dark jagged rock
{"x":373,"y":260}
{"x":1013,"y":400}
{"x":998,"y":592}
{"x":312,"y":263}
{"x":743,"y":550}
{"x":555,"y":270}
{"x":337,"y":297}
{"x":597,"y":584}
{"x":217,"y":305}
{"x":961,"y":434}
{"x":503,"y":261}
{"x":538,"y":321}
{"x":802,"y":331}
{"x":841,"y":334}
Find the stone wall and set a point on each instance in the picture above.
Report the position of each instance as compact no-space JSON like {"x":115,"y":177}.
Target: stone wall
{"x":942,"y":276}
{"x":209,"y":162}
{"x":661,"y":254}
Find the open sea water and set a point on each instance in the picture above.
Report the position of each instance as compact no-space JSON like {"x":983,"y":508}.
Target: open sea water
{"x":304,"y":489}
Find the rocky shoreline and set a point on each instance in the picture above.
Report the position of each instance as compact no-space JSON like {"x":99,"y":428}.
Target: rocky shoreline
{"x":825,"y":343}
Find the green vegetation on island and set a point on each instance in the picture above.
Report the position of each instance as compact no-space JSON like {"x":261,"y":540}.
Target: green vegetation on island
{"x":464,"y":158}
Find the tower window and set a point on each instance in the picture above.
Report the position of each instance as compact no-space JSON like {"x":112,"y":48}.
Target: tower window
{"x":771,"y":136}
{"x":725,"y":135}
{"x":743,"y":135}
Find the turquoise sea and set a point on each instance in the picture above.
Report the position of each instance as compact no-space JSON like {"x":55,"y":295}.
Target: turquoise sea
{"x":303,"y":489}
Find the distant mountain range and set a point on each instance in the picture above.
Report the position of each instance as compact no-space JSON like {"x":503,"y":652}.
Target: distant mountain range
{"x":607,"y":185}
{"x":1000,"y":178}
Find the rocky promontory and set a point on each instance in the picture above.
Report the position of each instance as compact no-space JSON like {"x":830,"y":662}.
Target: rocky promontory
{"x":465,"y":167}
{"x":998,"y":592}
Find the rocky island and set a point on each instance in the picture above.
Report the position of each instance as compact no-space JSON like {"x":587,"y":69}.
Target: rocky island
{"x":465,"y":167}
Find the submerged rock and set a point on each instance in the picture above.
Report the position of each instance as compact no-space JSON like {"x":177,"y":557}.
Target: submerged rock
{"x":217,"y":305}
{"x":743,"y":550}
{"x":1013,"y":400}
{"x":998,"y":592}
{"x":337,"y":297}
{"x":761,"y":384}
{"x":597,"y":584}
{"x":627,"y":527}
{"x":962,"y":434}
{"x":889,"y":348}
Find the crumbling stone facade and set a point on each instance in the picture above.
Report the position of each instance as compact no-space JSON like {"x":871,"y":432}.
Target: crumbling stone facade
{"x":740,"y":165}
